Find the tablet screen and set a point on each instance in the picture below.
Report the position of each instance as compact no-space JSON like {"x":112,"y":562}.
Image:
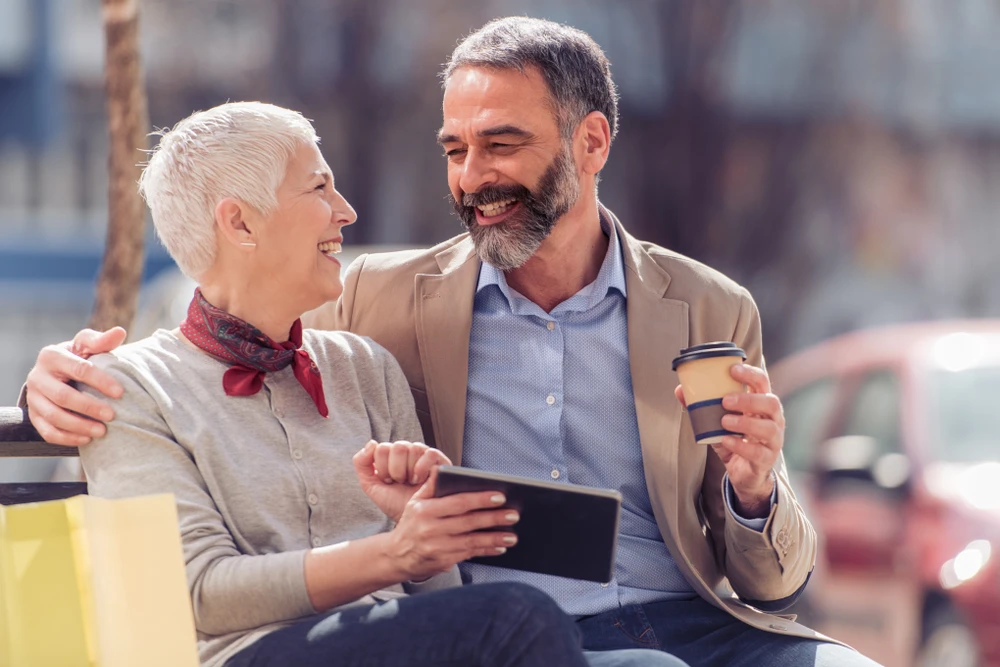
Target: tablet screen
{"x":565,"y":530}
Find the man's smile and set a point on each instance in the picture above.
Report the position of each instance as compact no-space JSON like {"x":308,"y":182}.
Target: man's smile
{"x":491,"y":214}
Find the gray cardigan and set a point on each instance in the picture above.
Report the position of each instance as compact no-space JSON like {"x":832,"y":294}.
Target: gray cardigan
{"x":259,"y":480}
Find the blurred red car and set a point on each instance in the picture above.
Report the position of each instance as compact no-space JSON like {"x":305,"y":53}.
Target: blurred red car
{"x":893,"y":444}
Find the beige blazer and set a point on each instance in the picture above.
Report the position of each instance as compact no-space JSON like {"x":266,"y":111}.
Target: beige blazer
{"x":419,"y":303}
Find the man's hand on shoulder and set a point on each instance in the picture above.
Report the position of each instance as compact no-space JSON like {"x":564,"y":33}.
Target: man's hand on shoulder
{"x":58,"y":411}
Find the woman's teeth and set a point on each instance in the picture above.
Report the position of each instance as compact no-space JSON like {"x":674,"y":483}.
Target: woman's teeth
{"x":329,"y":248}
{"x":496,"y":208}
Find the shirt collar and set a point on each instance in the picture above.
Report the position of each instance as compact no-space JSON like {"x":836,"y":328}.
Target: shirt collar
{"x":610,"y":276}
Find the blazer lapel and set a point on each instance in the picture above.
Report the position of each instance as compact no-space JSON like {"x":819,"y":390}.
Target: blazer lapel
{"x":657,"y":330}
{"x":444,"y":322}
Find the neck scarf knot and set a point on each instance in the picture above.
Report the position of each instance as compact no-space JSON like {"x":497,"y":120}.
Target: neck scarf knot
{"x":251,"y":352}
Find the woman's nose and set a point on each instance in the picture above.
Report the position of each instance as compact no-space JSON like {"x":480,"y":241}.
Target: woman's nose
{"x":343,"y":213}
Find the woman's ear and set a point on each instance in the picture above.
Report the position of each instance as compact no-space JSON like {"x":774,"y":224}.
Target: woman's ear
{"x":234,"y":228}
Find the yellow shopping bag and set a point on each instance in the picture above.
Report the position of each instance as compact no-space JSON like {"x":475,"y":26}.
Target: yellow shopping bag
{"x":91,"y":582}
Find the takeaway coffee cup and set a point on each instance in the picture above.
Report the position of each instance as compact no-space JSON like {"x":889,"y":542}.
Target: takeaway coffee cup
{"x":705,"y":379}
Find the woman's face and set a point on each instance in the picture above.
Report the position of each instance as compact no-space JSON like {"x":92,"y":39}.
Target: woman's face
{"x":297,"y":244}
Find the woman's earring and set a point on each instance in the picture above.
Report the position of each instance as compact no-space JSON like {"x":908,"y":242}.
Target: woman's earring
{"x":246,"y":243}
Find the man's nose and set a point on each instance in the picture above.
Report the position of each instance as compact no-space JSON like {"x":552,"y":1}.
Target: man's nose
{"x":477,"y":172}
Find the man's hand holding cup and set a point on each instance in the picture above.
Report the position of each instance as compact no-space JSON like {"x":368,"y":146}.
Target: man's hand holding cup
{"x":731,"y":408}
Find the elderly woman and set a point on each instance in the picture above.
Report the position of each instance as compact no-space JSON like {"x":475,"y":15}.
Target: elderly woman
{"x":254,"y":425}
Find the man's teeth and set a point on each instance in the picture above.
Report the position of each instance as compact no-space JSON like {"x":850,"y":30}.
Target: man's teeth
{"x":329,"y":248}
{"x":496,"y":208}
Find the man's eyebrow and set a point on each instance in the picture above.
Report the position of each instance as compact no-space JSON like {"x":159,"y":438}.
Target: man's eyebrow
{"x":443,"y":138}
{"x":499,"y":130}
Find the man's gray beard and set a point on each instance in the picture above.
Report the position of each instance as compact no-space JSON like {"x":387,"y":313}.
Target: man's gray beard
{"x":508,"y":246}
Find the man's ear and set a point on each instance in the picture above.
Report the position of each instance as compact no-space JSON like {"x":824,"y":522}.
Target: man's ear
{"x":234,"y":228}
{"x":594,"y":142}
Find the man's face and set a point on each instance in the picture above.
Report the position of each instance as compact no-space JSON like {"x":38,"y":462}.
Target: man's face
{"x":510,"y":173}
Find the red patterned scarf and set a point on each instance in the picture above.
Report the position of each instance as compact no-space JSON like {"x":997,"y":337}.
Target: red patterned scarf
{"x":251,"y":352}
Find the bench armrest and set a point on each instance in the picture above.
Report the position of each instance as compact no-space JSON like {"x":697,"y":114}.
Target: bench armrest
{"x":19,"y":438}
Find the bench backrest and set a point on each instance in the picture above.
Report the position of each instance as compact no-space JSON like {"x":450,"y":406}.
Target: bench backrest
{"x":18,"y":438}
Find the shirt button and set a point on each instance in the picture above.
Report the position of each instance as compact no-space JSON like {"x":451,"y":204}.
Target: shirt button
{"x":317,"y":541}
{"x":278,"y":413}
{"x":604,"y":585}
{"x":313,"y":499}
{"x":555,"y":474}
{"x":550,"y":325}
{"x":550,"y":399}
{"x":296,"y":454}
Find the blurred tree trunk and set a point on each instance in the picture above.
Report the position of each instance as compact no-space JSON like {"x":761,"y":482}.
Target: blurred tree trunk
{"x":696,"y":131}
{"x":128,"y":127}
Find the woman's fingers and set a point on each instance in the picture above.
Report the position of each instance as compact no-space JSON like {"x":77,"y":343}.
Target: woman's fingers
{"x":429,"y":459}
{"x":445,"y":541}
{"x":390,"y":462}
{"x":473,"y":528}
{"x":404,"y":462}
{"x":479,"y":520}
{"x":435,"y":533}
{"x":414,"y":452}
{"x":364,"y":460}
{"x":399,"y":457}
{"x":461,"y":503}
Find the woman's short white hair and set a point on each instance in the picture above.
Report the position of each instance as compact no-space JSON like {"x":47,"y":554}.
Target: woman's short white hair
{"x":239,"y":150}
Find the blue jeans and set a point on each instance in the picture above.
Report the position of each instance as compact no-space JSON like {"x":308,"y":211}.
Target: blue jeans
{"x":704,"y":636}
{"x":632,"y":657}
{"x":492,"y":625}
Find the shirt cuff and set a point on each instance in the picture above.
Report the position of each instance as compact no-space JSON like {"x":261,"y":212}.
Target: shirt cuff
{"x":753,"y":524}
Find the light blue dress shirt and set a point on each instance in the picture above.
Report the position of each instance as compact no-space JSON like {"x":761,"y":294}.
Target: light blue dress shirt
{"x":550,"y":397}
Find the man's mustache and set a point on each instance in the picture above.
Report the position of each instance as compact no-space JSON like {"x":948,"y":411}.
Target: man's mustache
{"x":495,"y":193}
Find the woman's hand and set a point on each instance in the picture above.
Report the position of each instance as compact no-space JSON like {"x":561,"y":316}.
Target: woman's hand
{"x":433,"y":534}
{"x":391,"y":472}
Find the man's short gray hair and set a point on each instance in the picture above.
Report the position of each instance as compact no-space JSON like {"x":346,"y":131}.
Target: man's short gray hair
{"x":239,"y":150}
{"x":575,"y":68}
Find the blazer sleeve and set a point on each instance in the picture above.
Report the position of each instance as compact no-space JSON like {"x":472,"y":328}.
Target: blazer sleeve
{"x":772,"y":564}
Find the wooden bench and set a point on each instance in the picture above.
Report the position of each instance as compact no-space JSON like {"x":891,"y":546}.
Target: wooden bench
{"x":18,"y":438}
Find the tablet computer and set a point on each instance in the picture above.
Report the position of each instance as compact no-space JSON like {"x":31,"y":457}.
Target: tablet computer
{"x":565,"y":529}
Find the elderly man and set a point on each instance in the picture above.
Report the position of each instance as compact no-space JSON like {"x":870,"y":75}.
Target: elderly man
{"x":540,"y":344}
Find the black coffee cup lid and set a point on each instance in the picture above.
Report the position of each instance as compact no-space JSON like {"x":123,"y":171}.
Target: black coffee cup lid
{"x":722,"y":348}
